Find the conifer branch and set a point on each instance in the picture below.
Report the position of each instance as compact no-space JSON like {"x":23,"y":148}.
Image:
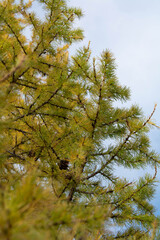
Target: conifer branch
{"x":94,"y":70}
{"x":18,"y":66}
{"x":98,"y":109}
{"x":25,"y":85}
{"x":154,"y":109}
{"x":4,"y":64}
{"x":110,"y":160}
{"x":15,"y":36}
{"x":12,"y":154}
{"x":84,"y":108}
{"x":136,"y":191}
{"x":81,"y":68}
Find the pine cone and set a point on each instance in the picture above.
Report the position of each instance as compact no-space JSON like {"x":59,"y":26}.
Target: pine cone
{"x":63,"y":165}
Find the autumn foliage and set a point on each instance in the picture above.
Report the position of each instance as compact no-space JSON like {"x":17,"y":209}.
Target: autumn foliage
{"x":62,"y":134}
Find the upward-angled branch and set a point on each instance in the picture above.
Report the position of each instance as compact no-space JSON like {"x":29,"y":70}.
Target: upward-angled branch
{"x":98,"y":109}
{"x":15,"y":36}
{"x":9,"y":74}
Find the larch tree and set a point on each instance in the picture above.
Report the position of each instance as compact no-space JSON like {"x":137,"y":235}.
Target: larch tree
{"x":62,"y":135}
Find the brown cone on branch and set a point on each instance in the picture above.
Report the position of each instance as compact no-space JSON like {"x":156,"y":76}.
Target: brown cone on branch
{"x":63,"y":165}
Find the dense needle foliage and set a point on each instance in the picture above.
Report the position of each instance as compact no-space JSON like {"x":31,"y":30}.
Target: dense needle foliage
{"x":62,"y":134}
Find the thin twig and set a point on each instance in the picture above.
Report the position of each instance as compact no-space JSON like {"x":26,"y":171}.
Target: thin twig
{"x":13,"y":70}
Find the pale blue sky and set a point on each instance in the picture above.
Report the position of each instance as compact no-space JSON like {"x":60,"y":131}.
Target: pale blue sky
{"x":131,"y":30}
